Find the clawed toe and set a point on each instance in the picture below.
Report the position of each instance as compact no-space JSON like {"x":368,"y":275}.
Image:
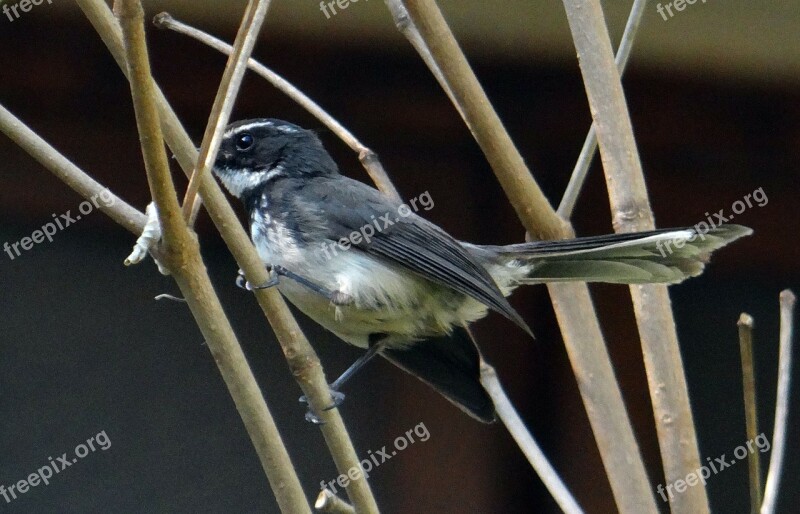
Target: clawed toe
{"x":313,"y":418}
{"x":337,"y":399}
{"x":242,"y":283}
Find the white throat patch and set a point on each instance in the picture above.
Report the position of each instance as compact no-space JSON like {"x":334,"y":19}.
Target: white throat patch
{"x":239,"y":182}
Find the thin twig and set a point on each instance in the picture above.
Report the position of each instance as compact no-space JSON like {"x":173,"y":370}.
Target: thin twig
{"x":225,"y":99}
{"x":631,"y":212}
{"x":578,"y":177}
{"x":774,"y":475}
{"x":369,"y":159}
{"x":181,"y":255}
{"x":511,"y":419}
{"x":573,"y":306}
{"x":301,"y":357}
{"x":602,"y":399}
{"x":751,"y":416}
{"x":329,"y":502}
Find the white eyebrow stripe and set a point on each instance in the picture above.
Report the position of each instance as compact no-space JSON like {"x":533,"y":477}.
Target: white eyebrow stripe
{"x":255,"y":124}
{"x":247,"y":126}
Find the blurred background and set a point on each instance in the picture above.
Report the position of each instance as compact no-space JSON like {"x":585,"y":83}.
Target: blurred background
{"x":84,"y":348}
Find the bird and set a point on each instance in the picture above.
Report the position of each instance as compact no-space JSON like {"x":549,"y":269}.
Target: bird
{"x":380,"y":277}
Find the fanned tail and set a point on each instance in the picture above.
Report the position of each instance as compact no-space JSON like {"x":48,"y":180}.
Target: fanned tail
{"x":659,"y":256}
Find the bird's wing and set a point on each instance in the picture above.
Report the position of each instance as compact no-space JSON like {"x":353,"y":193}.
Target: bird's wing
{"x":408,"y":240}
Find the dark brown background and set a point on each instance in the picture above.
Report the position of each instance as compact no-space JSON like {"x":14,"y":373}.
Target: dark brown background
{"x":84,"y":348}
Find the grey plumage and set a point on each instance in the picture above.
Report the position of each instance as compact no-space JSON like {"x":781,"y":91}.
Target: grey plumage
{"x":411,"y":282}
{"x":637,"y":258}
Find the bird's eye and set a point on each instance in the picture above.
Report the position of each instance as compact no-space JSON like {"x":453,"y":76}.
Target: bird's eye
{"x":244,"y":141}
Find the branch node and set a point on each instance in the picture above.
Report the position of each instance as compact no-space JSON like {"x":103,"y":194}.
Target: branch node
{"x":163,"y":20}
{"x":329,"y":502}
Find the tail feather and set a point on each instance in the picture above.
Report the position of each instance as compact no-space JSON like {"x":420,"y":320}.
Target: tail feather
{"x":630,"y":272}
{"x":660,"y":256}
{"x":451,"y":365}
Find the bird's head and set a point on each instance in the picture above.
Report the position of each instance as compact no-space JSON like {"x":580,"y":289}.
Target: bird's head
{"x":255,"y":153}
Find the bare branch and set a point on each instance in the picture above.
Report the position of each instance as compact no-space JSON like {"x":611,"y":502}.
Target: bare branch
{"x":751,"y":416}
{"x":586,"y":156}
{"x":631,"y":212}
{"x":787,"y":300}
{"x":510,"y":418}
{"x":130,"y":14}
{"x":602,"y":398}
{"x":225,"y":99}
{"x":329,"y":502}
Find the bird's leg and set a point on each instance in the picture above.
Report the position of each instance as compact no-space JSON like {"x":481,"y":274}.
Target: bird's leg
{"x":336,"y":297}
{"x":242,"y":282}
{"x":375,"y":346}
{"x":373,"y":350}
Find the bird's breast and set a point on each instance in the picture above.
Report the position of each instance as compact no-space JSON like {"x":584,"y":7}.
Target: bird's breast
{"x":386,"y":297}
{"x":276,"y":243}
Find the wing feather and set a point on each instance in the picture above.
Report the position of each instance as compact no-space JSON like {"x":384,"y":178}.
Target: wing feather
{"x":410,"y":241}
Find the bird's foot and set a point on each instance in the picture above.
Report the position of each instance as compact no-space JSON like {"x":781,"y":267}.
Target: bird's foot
{"x":337,"y":398}
{"x":242,"y":282}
